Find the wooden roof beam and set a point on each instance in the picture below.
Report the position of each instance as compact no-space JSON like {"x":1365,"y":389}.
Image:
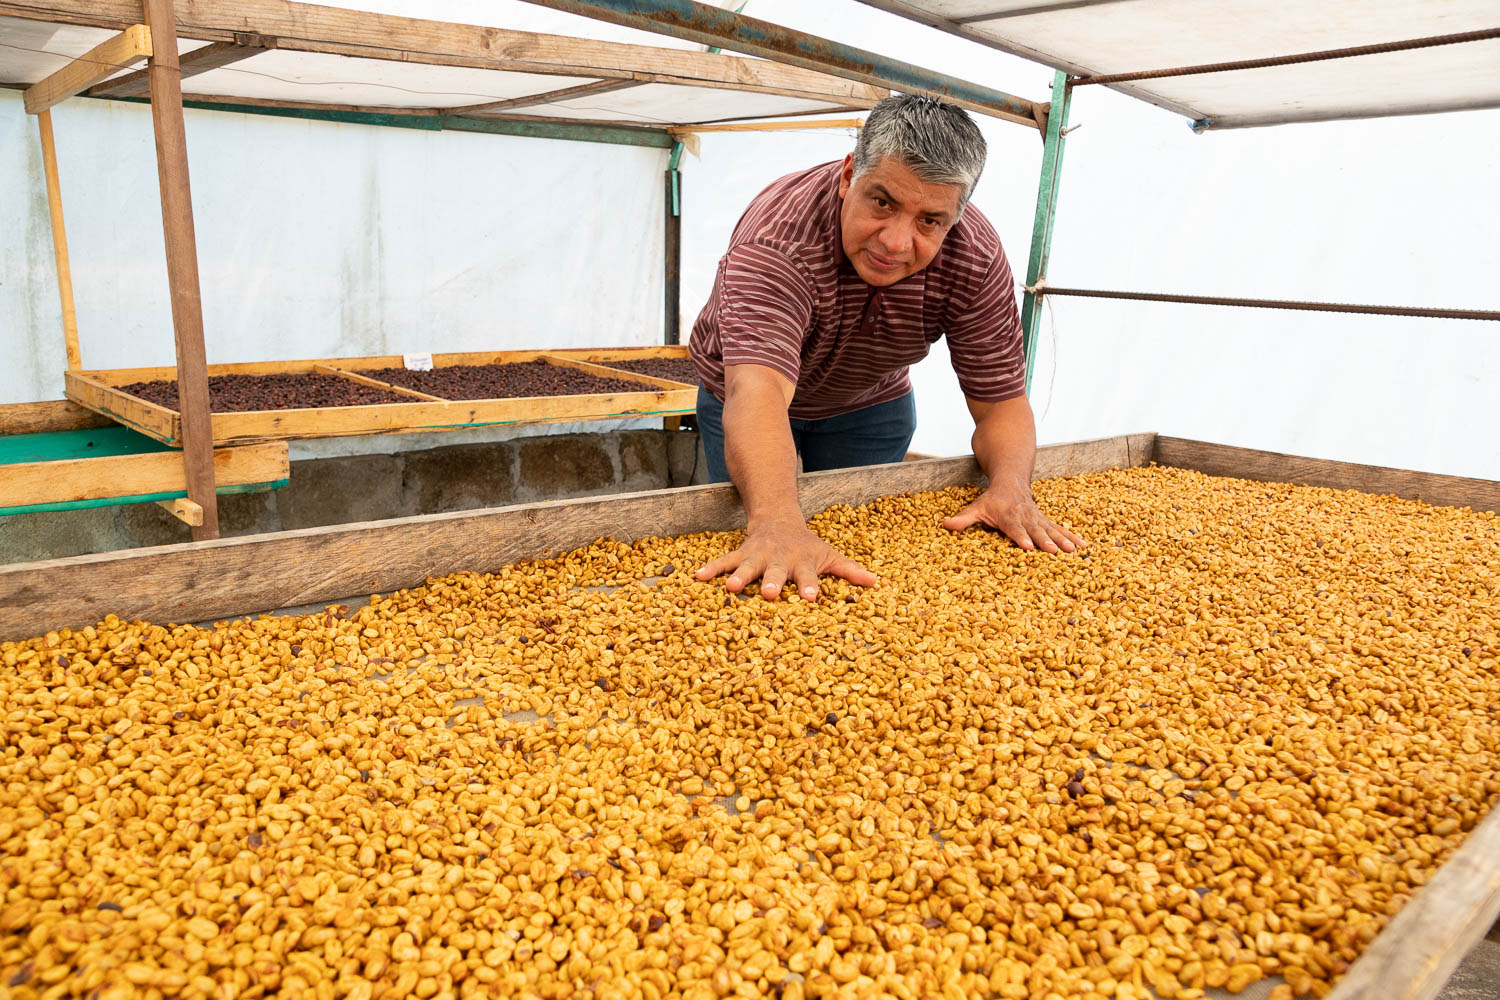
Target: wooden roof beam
{"x":310,"y":28}
{"x":215,"y":55}
{"x":127,"y":48}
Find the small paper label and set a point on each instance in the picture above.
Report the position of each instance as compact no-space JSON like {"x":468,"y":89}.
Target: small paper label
{"x":417,"y":362}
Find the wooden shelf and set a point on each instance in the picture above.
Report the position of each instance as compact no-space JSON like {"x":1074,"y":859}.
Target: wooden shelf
{"x":100,"y":391}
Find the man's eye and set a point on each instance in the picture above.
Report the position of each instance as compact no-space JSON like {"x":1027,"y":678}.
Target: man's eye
{"x":882,"y":203}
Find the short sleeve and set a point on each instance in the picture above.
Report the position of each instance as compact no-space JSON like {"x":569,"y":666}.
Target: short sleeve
{"x":984,"y":338}
{"x":765,"y":311}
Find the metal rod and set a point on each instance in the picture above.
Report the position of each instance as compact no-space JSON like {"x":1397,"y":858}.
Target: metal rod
{"x":182,"y":266}
{"x":708,"y":25}
{"x":1291,"y":60}
{"x":1218,"y":300}
{"x":1041,"y":226}
{"x":60,"y":242}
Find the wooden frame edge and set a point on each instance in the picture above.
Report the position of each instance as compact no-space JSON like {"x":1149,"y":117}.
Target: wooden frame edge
{"x":1271,"y":466}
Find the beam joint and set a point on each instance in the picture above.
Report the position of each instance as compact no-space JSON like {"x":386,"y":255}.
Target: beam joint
{"x":108,"y":57}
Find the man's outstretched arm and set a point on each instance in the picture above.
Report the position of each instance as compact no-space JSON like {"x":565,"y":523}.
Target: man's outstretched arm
{"x":1005,"y":445}
{"x":762,"y":461}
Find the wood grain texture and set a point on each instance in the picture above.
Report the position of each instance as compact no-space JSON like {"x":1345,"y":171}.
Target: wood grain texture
{"x":1416,"y":953}
{"x":182,"y":265}
{"x":109,"y":476}
{"x":312,"y":28}
{"x":59,"y":242}
{"x":184,"y":510}
{"x":127,"y":48}
{"x":48,"y":415}
{"x":235,"y":576}
{"x":98,"y":390}
{"x":1270,"y":466}
{"x":215,"y":55}
{"x":86,"y":389}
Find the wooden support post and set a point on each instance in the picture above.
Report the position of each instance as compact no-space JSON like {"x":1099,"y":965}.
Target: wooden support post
{"x":59,"y":242}
{"x":182,"y":264}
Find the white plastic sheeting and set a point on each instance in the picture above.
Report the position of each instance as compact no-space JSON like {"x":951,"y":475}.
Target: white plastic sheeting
{"x":1095,"y":37}
{"x":394,"y":79}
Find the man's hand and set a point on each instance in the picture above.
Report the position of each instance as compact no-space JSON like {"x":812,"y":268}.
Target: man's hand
{"x":1011,"y":509}
{"x":782,"y":550}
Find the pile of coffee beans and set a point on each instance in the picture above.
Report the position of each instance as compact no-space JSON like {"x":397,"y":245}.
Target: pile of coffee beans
{"x":675,"y":369}
{"x":276,"y":391}
{"x":505,"y":381}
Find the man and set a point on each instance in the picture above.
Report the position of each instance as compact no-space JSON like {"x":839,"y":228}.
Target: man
{"x":836,"y":279}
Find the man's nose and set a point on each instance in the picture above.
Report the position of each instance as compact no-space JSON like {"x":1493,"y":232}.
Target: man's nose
{"x":896,"y":239}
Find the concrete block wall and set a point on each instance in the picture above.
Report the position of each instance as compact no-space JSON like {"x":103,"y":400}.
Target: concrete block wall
{"x":375,"y":487}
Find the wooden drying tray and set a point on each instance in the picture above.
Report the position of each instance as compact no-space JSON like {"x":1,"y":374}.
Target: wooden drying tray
{"x":197,"y":581}
{"x":100,"y":391}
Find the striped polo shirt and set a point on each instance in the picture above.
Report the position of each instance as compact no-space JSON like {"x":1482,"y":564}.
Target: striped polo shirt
{"x":787,"y":297}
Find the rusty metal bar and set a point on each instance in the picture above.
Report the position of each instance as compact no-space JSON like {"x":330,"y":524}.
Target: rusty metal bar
{"x":1305,"y":57}
{"x":1218,"y":300}
{"x":698,"y":22}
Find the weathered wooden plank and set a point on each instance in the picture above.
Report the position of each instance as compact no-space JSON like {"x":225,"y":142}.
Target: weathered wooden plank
{"x":48,"y":415}
{"x":87,"y":389}
{"x":1418,"y":950}
{"x":215,"y":55}
{"x":68,"y":480}
{"x":127,"y":48}
{"x":236,"y":576}
{"x":314,"y":28}
{"x":1123,"y":452}
{"x":1270,"y":466}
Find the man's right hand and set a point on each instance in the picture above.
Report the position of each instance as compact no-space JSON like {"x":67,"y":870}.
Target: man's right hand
{"x":775,"y":552}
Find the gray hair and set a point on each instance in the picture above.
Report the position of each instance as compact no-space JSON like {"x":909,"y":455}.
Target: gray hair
{"x":938,"y":142}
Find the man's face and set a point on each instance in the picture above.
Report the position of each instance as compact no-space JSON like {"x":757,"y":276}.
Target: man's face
{"x":893,"y":222}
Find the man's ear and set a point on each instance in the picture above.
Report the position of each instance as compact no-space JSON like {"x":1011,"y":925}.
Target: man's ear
{"x":846,"y":176}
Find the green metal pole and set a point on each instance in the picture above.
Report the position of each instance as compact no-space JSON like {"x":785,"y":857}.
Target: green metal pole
{"x":1046,"y":212}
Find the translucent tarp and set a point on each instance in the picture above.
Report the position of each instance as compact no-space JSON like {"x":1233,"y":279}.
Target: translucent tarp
{"x":1095,"y":37}
{"x":31,"y":49}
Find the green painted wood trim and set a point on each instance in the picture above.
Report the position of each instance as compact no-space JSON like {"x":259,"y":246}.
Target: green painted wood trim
{"x":1046,"y":213}
{"x":42,"y":508}
{"x":620,"y":135}
{"x":95,"y":442}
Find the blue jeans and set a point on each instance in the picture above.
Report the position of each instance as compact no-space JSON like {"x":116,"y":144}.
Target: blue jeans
{"x":874,"y":435}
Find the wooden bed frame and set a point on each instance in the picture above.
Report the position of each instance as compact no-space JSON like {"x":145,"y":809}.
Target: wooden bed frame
{"x":197,"y":581}
{"x":99,"y":391}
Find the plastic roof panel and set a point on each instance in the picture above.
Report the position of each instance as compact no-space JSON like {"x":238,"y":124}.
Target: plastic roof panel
{"x":303,"y":56}
{"x":320,"y":78}
{"x":1098,"y":37}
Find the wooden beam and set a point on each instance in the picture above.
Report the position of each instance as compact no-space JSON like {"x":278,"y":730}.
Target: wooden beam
{"x":59,"y":242}
{"x":1270,"y":466}
{"x":233,"y":576}
{"x":48,"y":415}
{"x":550,"y":97}
{"x":312,"y":28}
{"x":182,"y":266}
{"x":184,"y":510}
{"x":215,"y":55}
{"x":125,"y":49}
{"x":74,"y":479}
